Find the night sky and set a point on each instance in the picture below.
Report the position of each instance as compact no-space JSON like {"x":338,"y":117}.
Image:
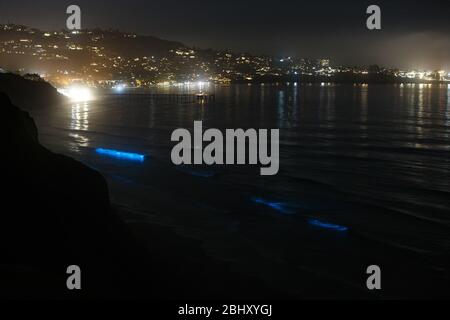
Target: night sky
{"x":415,"y":34}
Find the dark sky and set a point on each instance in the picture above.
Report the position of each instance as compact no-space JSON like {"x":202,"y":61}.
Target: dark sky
{"x":414,"y":33}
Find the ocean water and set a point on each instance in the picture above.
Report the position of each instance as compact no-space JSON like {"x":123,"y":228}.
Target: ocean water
{"x":364,"y":179}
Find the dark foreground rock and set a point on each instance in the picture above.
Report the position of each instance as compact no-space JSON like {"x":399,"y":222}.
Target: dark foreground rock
{"x":29,"y":94}
{"x":56,"y":213}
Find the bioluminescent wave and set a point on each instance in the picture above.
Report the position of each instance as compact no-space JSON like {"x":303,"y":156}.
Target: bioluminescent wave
{"x":202,"y":174}
{"x":327,"y":225}
{"x":198,"y":173}
{"x":282,"y":207}
{"x":121,"y":154}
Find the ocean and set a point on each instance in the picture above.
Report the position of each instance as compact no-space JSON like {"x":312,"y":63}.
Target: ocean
{"x":364,"y":179}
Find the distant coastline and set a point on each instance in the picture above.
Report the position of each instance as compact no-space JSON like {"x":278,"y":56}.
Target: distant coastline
{"x":110,"y":58}
{"x":340,"y":79}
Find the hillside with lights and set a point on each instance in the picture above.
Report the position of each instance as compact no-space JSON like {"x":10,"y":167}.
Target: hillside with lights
{"x":107,"y":58}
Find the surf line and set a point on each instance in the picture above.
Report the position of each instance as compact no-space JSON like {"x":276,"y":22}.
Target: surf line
{"x":234,"y":143}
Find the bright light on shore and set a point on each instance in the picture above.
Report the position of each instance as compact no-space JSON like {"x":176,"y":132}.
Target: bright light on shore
{"x":77,"y":93}
{"x":119,"y":88}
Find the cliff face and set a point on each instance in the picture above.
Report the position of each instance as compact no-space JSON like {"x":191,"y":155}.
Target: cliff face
{"x":29,"y":94}
{"x":55,"y":213}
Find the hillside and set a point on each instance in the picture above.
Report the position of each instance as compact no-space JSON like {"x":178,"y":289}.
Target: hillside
{"x":29,"y":93}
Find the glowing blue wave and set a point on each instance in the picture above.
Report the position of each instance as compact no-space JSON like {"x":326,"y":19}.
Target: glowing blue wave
{"x":278,"y":206}
{"x":202,"y":174}
{"x":121,"y":154}
{"x":326,"y":225}
{"x":198,"y":173}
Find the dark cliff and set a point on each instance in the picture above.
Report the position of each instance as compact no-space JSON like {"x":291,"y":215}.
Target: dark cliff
{"x":55,"y":213}
{"x":29,"y":94}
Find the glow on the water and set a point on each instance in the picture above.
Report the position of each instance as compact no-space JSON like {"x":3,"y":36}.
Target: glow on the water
{"x":202,"y":174}
{"x":278,"y":206}
{"x":327,"y":225}
{"x":121,"y":154}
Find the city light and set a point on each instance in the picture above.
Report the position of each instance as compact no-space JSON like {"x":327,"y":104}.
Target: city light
{"x":77,"y":93}
{"x":179,"y":67}
{"x":120,"y":88}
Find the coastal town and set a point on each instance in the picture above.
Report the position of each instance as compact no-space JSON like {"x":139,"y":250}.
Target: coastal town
{"x":114,"y":59}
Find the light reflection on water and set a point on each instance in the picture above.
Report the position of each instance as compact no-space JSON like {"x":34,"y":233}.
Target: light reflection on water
{"x":79,"y":122}
{"x":448,"y":96}
{"x":324,"y":108}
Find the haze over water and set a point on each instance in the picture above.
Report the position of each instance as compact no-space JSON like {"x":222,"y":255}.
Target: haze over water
{"x":370,"y":158}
